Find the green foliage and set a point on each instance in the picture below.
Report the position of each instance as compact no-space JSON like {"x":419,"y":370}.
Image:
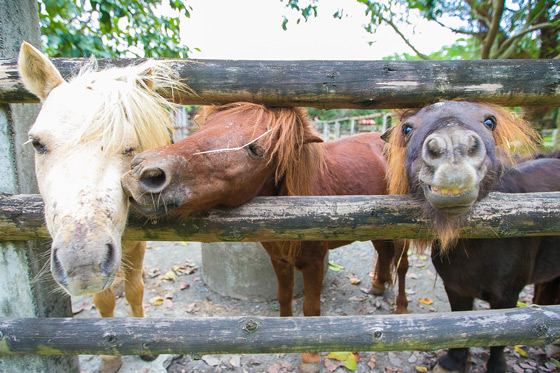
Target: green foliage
{"x":110,"y":28}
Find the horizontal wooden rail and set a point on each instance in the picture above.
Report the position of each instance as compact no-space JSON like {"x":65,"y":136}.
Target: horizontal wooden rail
{"x":311,"y":218}
{"x":531,"y":325}
{"x":341,"y":84}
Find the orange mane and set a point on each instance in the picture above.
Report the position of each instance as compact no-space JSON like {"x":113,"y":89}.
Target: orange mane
{"x":513,"y":135}
{"x":296,"y":164}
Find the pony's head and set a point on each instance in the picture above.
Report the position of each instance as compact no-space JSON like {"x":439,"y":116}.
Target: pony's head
{"x":449,"y":154}
{"x":241,"y":150}
{"x":85,"y":137}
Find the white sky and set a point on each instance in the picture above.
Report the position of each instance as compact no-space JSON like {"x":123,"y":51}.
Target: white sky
{"x":251,"y":29}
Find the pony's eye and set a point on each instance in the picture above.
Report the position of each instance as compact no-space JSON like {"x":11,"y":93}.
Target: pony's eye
{"x":406,"y":129}
{"x":39,"y":147}
{"x":255,"y":150}
{"x":491,"y":123}
{"x":129,"y":151}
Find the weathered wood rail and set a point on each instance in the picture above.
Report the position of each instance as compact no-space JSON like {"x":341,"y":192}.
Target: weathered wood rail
{"x":531,"y":325}
{"x":311,"y":218}
{"x":341,"y":84}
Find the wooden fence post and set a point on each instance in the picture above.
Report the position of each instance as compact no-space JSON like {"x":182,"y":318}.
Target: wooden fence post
{"x":20,"y":261}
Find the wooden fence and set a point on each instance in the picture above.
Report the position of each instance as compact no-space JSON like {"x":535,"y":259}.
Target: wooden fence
{"x":327,"y":84}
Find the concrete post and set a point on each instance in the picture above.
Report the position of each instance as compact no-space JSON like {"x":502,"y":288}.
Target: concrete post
{"x":242,"y":270}
{"x":21,"y":262}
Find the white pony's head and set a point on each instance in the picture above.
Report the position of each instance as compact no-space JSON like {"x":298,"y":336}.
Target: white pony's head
{"x":85,"y":137}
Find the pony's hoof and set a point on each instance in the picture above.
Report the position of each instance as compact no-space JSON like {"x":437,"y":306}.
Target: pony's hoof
{"x":377,"y":289}
{"x":110,"y":364}
{"x":148,"y":357}
{"x":309,"y":367}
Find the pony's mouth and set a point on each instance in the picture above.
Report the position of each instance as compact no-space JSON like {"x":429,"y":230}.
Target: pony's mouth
{"x":450,"y":202}
{"x":447,"y":191}
{"x":152,"y":211}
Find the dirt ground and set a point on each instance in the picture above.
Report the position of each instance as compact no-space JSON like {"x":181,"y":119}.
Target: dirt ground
{"x":186,"y":295}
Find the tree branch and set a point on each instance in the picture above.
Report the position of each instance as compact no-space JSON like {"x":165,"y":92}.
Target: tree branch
{"x":498,"y":10}
{"x":506,"y":49}
{"x":390,"y":23}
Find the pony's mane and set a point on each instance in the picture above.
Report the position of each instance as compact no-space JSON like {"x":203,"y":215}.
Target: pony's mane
{"x":513,"y":135}
{"x":129,"y":96}
{"x":296,"y":163}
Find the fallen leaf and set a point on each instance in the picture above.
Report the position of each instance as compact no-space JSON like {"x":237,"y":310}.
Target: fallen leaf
{"x":522,"y":304}
{"x":170,"y":276}
{"x":420,"y":369}
{"x":235,"y":361}
{"x":335,"y":267}
{"x":348,"y":358}
{"x":210,"y":360}
{"x":426,"y":301}
{"x":371,"y":362}
{"x":192,"y":308}
{"x":413,"y":276}
{"x":520,"y":351}
{"x":331,"y":366}
{"x":154,"y":272}
{"x":353,"y":279}
{"x":156,"y":301}
{"x":168,"y":295}
{"x":184,"y":286}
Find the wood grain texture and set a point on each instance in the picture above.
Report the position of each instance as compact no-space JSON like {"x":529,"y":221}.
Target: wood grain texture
{"x":340,"y":84}
{"x":533,"y":325}
{"x":311,"y":218}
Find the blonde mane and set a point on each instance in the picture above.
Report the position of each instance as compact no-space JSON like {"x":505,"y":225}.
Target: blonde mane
{"x":296,"y":164}
{"x":129,"y":97}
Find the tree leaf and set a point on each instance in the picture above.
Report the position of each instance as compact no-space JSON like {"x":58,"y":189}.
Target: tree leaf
{"x":520,"y":351}
{"x":348,"y":358}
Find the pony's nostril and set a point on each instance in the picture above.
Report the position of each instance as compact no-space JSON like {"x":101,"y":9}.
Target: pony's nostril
{"x":433,"y":149}
{"x":108,"y":263}
{"x":473,"y":146}
{"x":57,"y":269}
{"x":153,"y":180}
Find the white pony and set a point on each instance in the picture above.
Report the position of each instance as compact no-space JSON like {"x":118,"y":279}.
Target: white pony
{"x":85,"y":137}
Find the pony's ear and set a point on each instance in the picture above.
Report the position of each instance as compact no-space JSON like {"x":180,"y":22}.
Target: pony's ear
{"x":309,"y":136}
{"x":387,"y":134}
{"x":39,"y":74}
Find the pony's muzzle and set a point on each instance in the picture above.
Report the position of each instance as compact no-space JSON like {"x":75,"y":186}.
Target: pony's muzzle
{"x":80,"y":271}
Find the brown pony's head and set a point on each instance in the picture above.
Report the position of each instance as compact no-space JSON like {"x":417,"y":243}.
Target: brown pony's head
{"x":241,"y":150}
{"x":448,"y":155}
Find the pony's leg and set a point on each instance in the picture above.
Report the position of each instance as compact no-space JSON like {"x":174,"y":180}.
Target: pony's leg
{"x":401,"y":263}
{"x":312,"y":266}
{"x":382,"y":274}
{"x":456,"y":359}
{"x":133,"y":257}
{"x":497,"y":361}
{"x":105,"y":304}
{"x":285,"y":280}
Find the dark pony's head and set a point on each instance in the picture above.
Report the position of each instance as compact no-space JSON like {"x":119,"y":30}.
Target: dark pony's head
{"x":240,"y":150}
{"x":450,"y":154}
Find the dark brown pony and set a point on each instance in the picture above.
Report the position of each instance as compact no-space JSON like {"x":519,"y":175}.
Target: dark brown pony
{"x":450,"y":155}
{"x":246,"y":150}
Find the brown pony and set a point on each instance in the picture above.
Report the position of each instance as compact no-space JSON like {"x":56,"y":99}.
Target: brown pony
{"x":450,"y":155}
{"x":244,"y":150}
